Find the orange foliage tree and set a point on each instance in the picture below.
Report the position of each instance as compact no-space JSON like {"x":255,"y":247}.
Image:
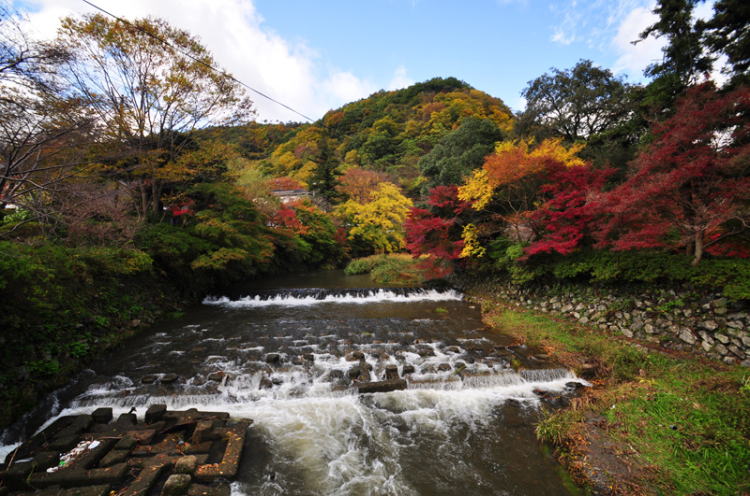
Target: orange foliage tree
{"x":358,"y":184}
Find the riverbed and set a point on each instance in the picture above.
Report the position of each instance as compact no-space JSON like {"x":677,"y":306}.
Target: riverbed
{"x":287,"y":353}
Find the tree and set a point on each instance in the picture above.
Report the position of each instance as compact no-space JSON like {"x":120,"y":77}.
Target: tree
{"x":575,"y":104}
{"x":507,"y":189}
{"x":437,"y":232}
{"x":511,"y":163}
{"x":40,"y":130}
{"x":284,"y":183}
{"x":459,"y":152}
{"x":727,"y":33}
{"x":323,"y":180}
{"x":358,"y":184}
{"x":378,"y":223}
{"x":146,"y":93}
{"x":238,"y":240}
{"x":689,"y":188}
{"x":684,"y":58}
{"x":566,"y":219}
{"x":27,"y":63}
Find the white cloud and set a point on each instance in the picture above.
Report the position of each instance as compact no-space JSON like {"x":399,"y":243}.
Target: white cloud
{"x":345,"y":86}
{"x":520,"y":104}
{"x":400,"y":79}
{"x":561,"y":36}
{"x":243,"y":44}
{"x":633,"y":58}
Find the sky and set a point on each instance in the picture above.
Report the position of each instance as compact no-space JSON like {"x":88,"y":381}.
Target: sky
{"x":318,"y":55}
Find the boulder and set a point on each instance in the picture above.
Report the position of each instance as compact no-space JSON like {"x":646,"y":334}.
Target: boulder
{"x":687,"y":335}
{"x":274,"y":358}
{"x":354,"y":356}
{"x":102,"y":415}
{"x":168,"y":378}
{"x":722,"y":337}
{"x":155,"y":413}
{"x":149,"y":379}
{"x":186,"y":465}
{"x":265,"y":382}
{"x":217,"y":376}
{"x":391,"y":372}
{"x":176,"y":485}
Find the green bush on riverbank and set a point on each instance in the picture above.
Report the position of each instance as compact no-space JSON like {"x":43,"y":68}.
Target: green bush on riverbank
{"x":400,"y":269}
{"x":730,"y":275}
{"x":61,"y":306}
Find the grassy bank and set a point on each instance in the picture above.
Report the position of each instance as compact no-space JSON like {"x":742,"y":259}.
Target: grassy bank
{"x":654,"y":423}
{"x":391,"y":269}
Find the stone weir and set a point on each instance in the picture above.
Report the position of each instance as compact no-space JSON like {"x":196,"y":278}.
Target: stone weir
{"x":171,"y":453}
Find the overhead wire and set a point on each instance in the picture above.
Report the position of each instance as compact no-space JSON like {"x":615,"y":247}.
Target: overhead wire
{"x":197,"y":60}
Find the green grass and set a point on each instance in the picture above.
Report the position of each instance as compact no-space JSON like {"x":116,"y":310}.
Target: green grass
{"x":391,"y":269}
{"x":687,"y":419}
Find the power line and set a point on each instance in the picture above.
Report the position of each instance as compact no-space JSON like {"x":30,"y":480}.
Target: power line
{"x":207,"y":65}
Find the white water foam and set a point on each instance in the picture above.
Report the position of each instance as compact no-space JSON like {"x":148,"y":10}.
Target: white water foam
{"x":321,"y":433}
{"x":374,"y":296}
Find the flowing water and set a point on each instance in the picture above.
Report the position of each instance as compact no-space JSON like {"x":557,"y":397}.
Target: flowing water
{"x":464,"y":425}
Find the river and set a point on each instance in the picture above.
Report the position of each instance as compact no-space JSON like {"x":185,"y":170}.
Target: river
{"x":463,"y":425}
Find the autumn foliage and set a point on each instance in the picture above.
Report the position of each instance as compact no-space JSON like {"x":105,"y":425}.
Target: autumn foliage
{"x":691,"y":183}
{"x":566,"y":219}
{"x":358,"y":184}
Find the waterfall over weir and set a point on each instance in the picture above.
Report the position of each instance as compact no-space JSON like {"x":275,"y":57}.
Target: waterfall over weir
{"x":290,"y":360}
{"x":315,"y":296}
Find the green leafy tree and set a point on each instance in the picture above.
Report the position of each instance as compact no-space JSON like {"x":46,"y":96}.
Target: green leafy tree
{"x":684,"y":58}
{"x":460,"y":152}
{"x":576,"y":103}
{"x":727,"y":32}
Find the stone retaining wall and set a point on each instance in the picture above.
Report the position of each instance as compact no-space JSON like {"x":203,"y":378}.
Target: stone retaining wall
{"x":677,"y":319}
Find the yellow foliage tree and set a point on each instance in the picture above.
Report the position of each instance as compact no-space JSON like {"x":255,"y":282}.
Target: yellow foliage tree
{"x":511,"y":176}
{"x":513,"y":161}
{"x":380,"y":221}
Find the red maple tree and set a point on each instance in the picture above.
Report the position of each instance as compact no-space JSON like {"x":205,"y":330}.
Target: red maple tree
{"x":690,"y":182}
{"x":566,"y":219}
{"x":436,"y":232}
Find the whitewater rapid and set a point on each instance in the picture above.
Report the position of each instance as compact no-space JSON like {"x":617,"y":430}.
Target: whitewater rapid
{"x":465,"y":419}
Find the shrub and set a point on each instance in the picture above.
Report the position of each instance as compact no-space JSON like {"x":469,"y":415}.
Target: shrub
{"x":730,"y":276}
{"x":388,"y":269}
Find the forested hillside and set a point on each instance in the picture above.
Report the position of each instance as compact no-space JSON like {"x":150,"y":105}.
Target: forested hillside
{"x":387,"y":132}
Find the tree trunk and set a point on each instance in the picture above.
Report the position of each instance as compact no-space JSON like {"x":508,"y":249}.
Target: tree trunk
{"x":144,"y":197}
{"x":698,"y":243}
{"x":155,"y":197}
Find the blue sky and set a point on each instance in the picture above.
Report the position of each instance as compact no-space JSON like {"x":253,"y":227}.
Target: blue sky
{"x":495,"y":46}
{"x":318,"y":55}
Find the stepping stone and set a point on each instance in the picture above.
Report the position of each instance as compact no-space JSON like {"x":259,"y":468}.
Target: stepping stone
{"x":176,"y":485}
{"x":155,"y":413}
{"x":102,"y":415}
{"x":381,"y":386}
{"x":169,"y":378}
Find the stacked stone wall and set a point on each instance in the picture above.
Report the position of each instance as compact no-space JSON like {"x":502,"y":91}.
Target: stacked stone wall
{"x":682,"y":319}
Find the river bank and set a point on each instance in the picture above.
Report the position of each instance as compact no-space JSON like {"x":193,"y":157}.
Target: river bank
{"x":656,"y":421}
